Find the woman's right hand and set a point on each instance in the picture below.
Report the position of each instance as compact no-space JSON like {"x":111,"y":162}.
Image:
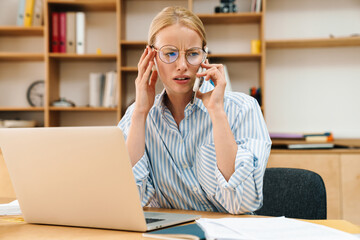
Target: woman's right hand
{"x":144,"y":83}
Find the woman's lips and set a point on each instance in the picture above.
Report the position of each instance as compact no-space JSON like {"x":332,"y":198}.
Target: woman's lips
{"x":182,"y":79}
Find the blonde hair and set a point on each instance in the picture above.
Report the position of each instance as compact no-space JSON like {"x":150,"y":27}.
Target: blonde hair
{"x":173,"y":15}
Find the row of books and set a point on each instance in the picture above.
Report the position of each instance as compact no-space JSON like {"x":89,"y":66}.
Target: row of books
{"x":255,"y":5}
{"x":30,"y":13}
{"x":68,"y":32}
{"x":104,"y":90}
{"x":323,"y":140}
{"x":308,"y":137}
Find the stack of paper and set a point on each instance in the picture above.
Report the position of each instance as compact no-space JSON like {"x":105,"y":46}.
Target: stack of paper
{"x":268,"y":228}
{"x":11,"y":208}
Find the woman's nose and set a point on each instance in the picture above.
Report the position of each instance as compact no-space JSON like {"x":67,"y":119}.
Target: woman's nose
{"x":181,"y":63}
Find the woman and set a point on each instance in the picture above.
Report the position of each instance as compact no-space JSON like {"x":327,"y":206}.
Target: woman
{"x":209,"y":155}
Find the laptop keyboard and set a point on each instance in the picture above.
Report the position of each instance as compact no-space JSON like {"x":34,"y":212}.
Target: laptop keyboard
{"x":151,"y":220}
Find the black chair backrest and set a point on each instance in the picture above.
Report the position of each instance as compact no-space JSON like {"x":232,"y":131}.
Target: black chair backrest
{"x":293,"y":193}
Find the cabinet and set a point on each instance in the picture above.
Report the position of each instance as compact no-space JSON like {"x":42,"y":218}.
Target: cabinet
{"x":341,"y":174}
{"x":119,"y":29}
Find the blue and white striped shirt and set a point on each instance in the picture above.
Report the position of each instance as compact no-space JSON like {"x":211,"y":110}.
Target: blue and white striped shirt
{"x":179,"y":170}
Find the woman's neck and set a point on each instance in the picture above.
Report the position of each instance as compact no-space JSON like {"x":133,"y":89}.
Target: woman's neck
{"x":176,"y":104}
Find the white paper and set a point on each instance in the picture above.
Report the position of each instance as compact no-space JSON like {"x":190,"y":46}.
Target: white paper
{"x":279,"y":228}
{"x":11,"y":208}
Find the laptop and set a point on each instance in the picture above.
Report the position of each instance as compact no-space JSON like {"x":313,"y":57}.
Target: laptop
{"x":78,"y":176}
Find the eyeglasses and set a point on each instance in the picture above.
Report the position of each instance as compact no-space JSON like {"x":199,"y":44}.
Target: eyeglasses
{"x":169,"y":54}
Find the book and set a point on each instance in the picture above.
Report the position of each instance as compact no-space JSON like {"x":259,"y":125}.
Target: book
{"x":309,"y":137}
{"x":258,"y":6}
{"x":253,"y":6}
{"x":70,"y":32}
{"x":311,"y":146}
{"x":55,"y":32}
{"x":80,"y":32}
{"x":319,"y":137}
{"x":38,"y":13}
{"x":109,"y":89}
{"x":62,"y":32}
{"x":287,"y":136}
{"x":21,"y":12}
{"x":304,"y":146}
{"x":95,"y":89}
{"x":29,"y":8}
{"x":190,"y":231}
{"x":102,"y":89}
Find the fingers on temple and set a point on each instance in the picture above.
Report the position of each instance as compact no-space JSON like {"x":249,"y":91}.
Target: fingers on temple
{"x":147,"y":56}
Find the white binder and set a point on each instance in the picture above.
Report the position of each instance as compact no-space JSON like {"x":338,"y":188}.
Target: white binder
{"x":80,"y":32}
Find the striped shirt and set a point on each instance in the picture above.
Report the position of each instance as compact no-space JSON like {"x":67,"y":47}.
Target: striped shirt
{"x":179,"y":170}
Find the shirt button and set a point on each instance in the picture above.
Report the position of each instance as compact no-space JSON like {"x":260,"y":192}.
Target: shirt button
{"x":185,"y":166}
{"x":195,"y":189}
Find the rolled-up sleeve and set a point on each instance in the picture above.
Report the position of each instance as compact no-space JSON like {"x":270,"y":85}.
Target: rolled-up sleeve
{"x":243,"y":192}
{"x":141,"y":169}
{"x":143,"y":180}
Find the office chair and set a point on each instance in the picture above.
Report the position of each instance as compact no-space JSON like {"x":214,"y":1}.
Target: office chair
{"x":293,"y":193}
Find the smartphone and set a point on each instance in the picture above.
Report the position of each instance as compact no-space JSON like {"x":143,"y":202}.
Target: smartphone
{"x":198,"y":81}
{"x":197,"y":84}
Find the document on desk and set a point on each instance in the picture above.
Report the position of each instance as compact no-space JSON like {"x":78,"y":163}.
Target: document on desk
{"x":279,"y":228}
{"x":11,"y":208}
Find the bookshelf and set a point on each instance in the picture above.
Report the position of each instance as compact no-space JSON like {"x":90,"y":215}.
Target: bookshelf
{"x":133,"y":45}
{"x":122,"y":57}
{"x":125,"y":49}
{"x":59,"y":63}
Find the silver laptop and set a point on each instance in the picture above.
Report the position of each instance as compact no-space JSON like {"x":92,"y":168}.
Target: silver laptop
{"x":77,"y":176}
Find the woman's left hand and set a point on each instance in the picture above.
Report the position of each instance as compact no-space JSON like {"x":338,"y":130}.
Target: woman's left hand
{"x":213,"y":100}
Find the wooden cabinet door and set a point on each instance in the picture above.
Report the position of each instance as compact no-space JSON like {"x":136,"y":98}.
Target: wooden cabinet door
{"x":350,"y":186}
{"x":326,"y":165}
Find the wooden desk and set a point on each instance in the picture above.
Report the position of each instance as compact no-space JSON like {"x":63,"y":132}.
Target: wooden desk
{"x":13,"y":227}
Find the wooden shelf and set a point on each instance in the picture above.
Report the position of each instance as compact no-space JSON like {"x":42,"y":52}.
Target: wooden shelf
{"x":21,"y":109}
{"x":84,"y":5}
{"x":228,"y":18}
{"x":314,"y":43}
{"x":83,"y":109}
{"x":133,"y":44}
{"x":129,"y":69}
{"x":5,"y":56}
{"x":91,"y":57}
{"x":21,"y":31}
{"x":239,"y":57}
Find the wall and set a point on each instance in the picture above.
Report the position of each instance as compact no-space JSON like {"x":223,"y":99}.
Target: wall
{"x":313,"y":89}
